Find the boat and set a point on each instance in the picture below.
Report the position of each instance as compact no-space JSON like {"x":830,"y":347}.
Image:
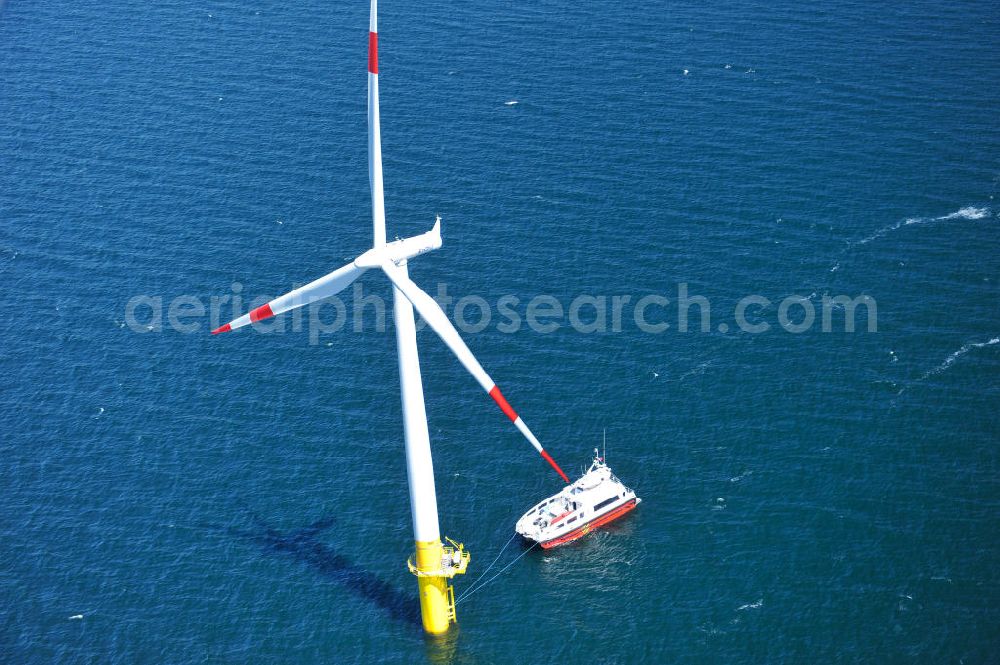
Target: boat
{"x":595,"y":499}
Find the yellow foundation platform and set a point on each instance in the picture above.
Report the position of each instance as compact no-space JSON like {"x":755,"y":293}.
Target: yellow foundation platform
{"x":435,"y":564}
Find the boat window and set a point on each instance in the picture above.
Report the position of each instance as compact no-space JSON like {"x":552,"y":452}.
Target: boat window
{"x":572,"y":519}
{"x":605,"y":502}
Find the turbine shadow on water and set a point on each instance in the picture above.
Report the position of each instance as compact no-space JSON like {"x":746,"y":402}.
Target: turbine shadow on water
{"x":304,"y":546}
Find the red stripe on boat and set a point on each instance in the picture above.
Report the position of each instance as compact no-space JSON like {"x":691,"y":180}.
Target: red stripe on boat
{"x":590,"y":526}
{"x":373,"y":52}
{"x":504,"y":406}
{"x":262,"y":312}
{"x":548,"y":458}
{"x":560,"y":517}
{"x":222,"y":329}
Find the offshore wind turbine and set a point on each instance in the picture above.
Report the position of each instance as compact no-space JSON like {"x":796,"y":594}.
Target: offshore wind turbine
{"x":435,"y":563}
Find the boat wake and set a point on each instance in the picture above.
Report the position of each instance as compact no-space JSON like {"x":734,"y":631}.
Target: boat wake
{"x":744,"y":474}
{"x":969,"y":213}
{"x":697,"y":371}
{"x":951,"y":360}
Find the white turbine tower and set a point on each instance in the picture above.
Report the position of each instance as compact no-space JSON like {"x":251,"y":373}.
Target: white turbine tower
{"x":435,"y":563}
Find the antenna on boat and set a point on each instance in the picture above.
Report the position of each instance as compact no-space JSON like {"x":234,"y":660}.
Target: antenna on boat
{"x":604,"y":446}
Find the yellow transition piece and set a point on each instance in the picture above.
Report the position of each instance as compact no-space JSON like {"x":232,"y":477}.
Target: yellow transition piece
{"x":435,"y":565}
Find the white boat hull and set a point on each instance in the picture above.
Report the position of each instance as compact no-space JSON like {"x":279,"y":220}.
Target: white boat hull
{"x":596,"y":499}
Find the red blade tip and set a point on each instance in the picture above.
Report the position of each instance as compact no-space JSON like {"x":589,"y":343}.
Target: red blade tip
{"x":222,"y":329}
{"x":548,"y":458}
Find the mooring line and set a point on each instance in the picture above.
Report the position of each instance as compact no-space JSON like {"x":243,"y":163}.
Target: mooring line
{"x":483,"y":574}
{"x":481,"y":586}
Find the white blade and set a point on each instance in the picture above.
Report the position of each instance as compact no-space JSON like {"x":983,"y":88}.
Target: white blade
{"x":374,"y":132}
{"x":439,"y":323}
{"x":324,"y":287}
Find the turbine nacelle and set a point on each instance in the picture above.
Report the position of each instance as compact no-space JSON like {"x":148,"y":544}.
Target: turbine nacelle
{"x":399,"y":251}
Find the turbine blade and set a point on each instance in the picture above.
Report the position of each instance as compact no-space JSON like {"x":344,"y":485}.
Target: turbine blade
{"x":374,"y":132}
{"x":439,"y":323}
{"x":324,"y":287}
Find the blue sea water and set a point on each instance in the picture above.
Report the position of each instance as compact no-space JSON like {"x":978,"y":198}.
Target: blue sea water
{"x":810,"y":497}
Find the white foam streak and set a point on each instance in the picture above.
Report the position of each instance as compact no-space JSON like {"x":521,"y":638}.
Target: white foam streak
{"x":950,"y":360}
{"x":700,"y":369}
{"x":969,"y":213}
